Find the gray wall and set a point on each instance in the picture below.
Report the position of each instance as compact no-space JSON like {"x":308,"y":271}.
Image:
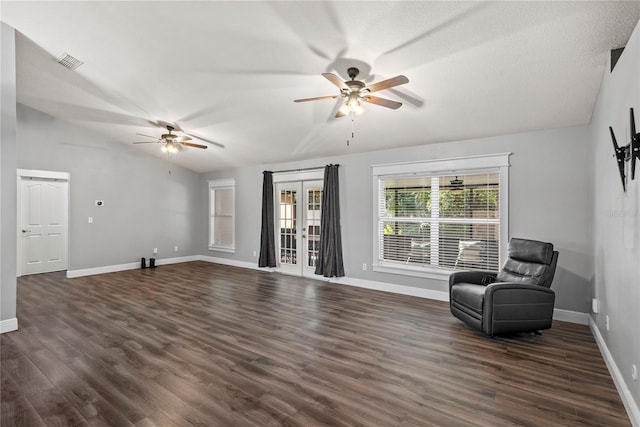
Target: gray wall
{"x":145,"y":206}
{"x":7,"y":173}
{"x":549,"y":199}
{"x":616,"y":215}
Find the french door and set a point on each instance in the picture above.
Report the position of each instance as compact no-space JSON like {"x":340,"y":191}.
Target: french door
{"x":298,"y":207}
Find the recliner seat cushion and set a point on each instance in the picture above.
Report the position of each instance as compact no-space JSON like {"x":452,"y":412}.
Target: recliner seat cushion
{"x":469,"y":295}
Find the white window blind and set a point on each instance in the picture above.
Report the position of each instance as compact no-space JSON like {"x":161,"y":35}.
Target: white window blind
{"x":222,"y":215}
{"x":440,"y":220}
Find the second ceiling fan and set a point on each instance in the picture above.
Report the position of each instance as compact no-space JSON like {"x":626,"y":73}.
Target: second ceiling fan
{"x":357,"y":91}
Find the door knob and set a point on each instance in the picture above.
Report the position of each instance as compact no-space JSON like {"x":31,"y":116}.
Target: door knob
{"x":26,"y":231}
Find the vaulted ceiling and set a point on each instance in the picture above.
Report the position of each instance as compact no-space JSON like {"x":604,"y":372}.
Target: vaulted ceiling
{"x":229,"y":71}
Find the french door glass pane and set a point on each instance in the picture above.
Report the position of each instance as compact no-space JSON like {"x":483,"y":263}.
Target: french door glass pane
{"x":314,"y":202}
{"x":288,"y":238}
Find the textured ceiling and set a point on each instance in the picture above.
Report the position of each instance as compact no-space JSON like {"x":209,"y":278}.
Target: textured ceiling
{"x":229,"y":71}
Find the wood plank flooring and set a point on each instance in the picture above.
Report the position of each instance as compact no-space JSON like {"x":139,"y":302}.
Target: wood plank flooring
{"x":209,"y":345}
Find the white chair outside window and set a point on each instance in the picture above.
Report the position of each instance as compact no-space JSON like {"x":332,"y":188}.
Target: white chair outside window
{"x":420,"y":250}
{"x":469,"y":252}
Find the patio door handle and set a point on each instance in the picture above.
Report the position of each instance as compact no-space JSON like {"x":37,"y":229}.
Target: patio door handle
{"x":26,"y":231}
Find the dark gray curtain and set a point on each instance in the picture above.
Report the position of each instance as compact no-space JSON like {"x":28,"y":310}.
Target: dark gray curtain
{"x":267,"y":238}
{"x":329,"y":262}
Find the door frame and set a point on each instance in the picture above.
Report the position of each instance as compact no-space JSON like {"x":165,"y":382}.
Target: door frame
{"x":300,"y":178}
{"x":39,"y":174}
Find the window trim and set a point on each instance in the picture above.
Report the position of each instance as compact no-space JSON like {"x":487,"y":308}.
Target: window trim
{"x":229,"y":183}
{"x":459,"y":165}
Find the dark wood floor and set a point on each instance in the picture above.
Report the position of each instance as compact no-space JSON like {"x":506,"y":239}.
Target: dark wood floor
{"x":211,"y":345}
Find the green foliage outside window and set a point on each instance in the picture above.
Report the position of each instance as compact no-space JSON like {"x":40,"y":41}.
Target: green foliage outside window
{"x":401,"y":203}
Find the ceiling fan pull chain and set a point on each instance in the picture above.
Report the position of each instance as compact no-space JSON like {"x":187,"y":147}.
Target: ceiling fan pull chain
{"x":353,"y":115}
{"x":353,"y":124}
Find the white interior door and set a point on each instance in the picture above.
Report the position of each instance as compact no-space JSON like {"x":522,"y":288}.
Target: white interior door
{"x":43,"y":224}
{"x":298,"y":226}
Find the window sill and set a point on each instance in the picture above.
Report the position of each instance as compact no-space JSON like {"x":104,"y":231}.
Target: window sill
{"x":220,"y":249}
{"x":424,"y":272}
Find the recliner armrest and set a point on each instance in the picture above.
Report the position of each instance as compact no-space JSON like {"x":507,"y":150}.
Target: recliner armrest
{"x":517,"y":290}
{"x":510,"y":307}
{"x":475,"y":277}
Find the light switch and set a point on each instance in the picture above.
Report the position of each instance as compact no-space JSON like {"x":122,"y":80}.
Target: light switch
{"x":90,"y":220}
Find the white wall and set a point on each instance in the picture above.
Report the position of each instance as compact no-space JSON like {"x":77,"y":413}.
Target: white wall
{"x":616,"y":216}
{"x":549,"y":200}
{"x":7,"y":178}
{"x":145,"y":207}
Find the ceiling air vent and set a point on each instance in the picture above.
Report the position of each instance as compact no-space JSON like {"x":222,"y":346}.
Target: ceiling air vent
{"x":69,"y":61}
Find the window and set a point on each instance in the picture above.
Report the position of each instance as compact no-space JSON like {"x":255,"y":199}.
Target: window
{"x":222,"y":215}
{"x":438,"y":216}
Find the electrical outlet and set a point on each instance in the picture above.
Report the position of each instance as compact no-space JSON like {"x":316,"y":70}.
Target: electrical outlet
{"x":595,"y":306}
{"x":606,"y":322}
{"x":364,"y":267}
{"x":255,"y":254}
{"x":175,"y":248}
{"x":155,"y":251}
{"x":634,"y":372}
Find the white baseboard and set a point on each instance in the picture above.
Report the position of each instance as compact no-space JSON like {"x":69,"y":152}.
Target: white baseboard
{"x":8,"y":325}
{"x":571,"y":316}
{"x":390,"y":287}
{"x":233,"y":263}
{"x":177,"y":260}
{"x":625,"y":394}
{"x":129,"y":266}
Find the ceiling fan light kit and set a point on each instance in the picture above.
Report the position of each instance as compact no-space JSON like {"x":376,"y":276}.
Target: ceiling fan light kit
{"x":169,"y":148}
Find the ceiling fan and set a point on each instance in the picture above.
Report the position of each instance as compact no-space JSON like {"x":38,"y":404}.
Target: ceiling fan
{"x":356,"y":91}
{"x":172,"y":143}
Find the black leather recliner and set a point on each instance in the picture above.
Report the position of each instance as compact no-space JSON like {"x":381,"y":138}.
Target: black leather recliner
{"x":515,"y":299}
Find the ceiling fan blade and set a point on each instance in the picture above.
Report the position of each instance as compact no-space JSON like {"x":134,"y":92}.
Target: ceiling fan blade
{"x":182,"y":138}
{"x":217,"y":144}
{"x":144,"y":142}
{"x":317,"y":98}
{"x":191,"y":144}
{"x":382,"y":102}
{"x":386,"y":84}
{"x":148,"y":136}
{"x":336,"y":81}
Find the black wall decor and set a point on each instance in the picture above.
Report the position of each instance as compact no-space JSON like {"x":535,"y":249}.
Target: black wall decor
{"x":635,"y":144}
{"x":629,"y":152}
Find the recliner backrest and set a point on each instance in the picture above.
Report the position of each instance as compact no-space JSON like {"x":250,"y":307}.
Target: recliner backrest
{"x":530,"y":262}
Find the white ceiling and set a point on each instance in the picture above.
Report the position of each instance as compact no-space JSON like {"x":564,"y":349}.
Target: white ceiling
{"x":229,"y":71}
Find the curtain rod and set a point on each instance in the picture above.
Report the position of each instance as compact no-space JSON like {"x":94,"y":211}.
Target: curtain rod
{"x":302,"y":169}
